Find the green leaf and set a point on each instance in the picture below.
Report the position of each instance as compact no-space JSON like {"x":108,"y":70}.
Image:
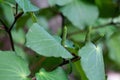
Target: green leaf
{"x":57,"y":74}
{"x":26,"y":5}
{"x":92,"y":62}
{"x":114,"y":47}
{"x":80,"y":13}
{"x":59,"y":2}
{"x":44,"y":44}
{"x":12,"y":67}
{"x":4,"y":10}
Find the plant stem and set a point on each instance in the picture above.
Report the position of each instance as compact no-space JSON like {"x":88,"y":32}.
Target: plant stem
{"x":11,"y":41}
{"x":9,"y":33}
{"x":94,"y":28}
{"x":16,"y":18}
{"x":76,"y":58}
{"x":8,"y":30}
{"x":34,"y":19}
{"x":64,"y":36}
{"x":88,"y":35}
{"x":16,"y":9}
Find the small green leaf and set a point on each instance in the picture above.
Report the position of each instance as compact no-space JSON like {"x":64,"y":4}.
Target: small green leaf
{"x":80,"y":13}
{"x":57,"y":74}
{"x":26,"y":5}
{"x":12,"y":67}
{"x":44,"y":44}
{"x":92,"y":62}
{"x":59,"y":2}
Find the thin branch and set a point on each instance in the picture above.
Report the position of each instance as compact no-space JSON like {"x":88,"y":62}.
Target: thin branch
{"x":8,"y":30}
{"x":72,"y":60}
{"x":16,"y":18}
{"x":16,"y":9}
{"x":64,"y":63}
{"x":87,"y":39}
{"x":9,"y":33}
{"x":97,"y":27}
{"x":11,"y":41}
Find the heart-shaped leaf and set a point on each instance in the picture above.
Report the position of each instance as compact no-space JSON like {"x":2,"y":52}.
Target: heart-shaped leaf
{"x":57,"y":74}
{"x":12,"y":67}
{"x":44,"y":44}
{"x":92,"y":62}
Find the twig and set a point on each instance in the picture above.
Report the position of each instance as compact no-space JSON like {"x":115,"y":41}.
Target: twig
{"x":8,"y":30}
{"x":16,"y":9}
{"x":9,"y":33}
{"x":16,"y":18}
{"x":76,"y":58}
{"x":97,"y":27}
{"x":11,"y":41}
{"x":87,"y":39}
